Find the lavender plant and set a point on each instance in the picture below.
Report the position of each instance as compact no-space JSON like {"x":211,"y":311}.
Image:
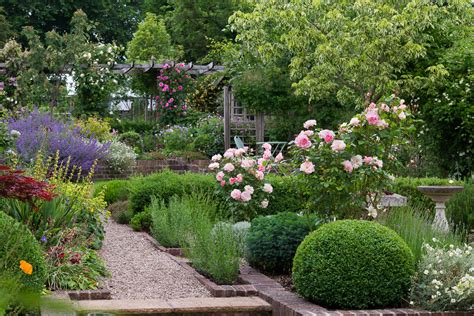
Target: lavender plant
{"x":41,"y":131}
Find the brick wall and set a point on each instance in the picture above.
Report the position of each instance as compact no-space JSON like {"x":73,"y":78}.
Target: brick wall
{"x":145,"y":167}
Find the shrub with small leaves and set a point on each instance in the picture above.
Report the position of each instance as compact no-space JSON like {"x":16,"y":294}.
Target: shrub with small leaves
{"x":120,"y":157}
{"x":445,"y":279}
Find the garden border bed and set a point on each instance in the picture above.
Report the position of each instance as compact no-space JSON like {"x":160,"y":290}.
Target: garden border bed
{"x":284,"y":302}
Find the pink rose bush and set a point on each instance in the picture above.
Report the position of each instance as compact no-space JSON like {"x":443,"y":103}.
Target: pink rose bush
{"x":348,"y":169}
{"x":241,"y":179}
{"x":173,"y":86}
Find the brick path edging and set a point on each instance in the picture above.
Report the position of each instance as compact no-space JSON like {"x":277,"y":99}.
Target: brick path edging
{"x":89,"y":295}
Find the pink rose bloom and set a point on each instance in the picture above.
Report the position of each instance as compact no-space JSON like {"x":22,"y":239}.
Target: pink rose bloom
{"x":222,"y":183}
{"x":395,"y":109}
{"x":261,"y":168}
{"x":310,"y":123}
{"x":378,"y":162}
{"x":382,"y":123}
{"x":228,"y":167}
{"x":338,"y":145}
{"x":236,"y":194}
{"x":259,"y":175}
{"x":354,"y":121}
{"x":247,"y":163}
{"x":267,"y":154}
{"x":220,"y":176}
{"x":249,"y":189}
{"x":232,"y":180}
{"x":229,"y":153}
{"x":267,"y":187}
{"x":216,"y":157}
{"x":385,"y":107}
{"x":356,"y":161}
{"x":279,"y":158}
{"x":245,"y":148}
{"x":367,"y":160}
{"x":302,"y":141}
{"x":402,"y":116}
{"x":372,"y":117}
{"x":267,"y":146}
{"x":239,"y":178}
{"x":348,"y":166}
{"x":309,"y":133}
{"x":245,"y":196}
{"x":402,"y":106}
{"x":327,"y":135}
{"x":214,"y":166}
{"x":180,"y":88}
{"x":239,"y":152}
{"x":264,"y":203}
{"x":307,"y":167}
{"x":372,"y":106}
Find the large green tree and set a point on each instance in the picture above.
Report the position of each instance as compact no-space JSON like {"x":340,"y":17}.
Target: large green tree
{"x":114,"y":18}
{"x":193,"y":23}
{"x":357,"y":50}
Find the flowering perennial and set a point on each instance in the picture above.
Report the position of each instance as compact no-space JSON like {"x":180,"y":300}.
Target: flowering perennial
{"x":241,"y":179}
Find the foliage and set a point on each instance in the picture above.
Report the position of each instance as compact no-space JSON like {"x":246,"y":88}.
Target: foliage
{"x":6,"y":29}
{"x":208,"y":18}
{"x":241,"y":180}
{"x":176,"y":138}
{"x":172,"y":97}
{"x":346,"y":171}
{"x":19,"y":244}
{"x":444,"y":281}
{"x":139,"y":126}
{"x":14,"y":185}
{"x":42,"y":132}
{"x":114,"y":190}
{"x":172,"y":221}
{"x":209,"y":135}
{"x":74,"y":268}
{"x":132,"y":139}
{"x":287,"y":195}
{"x":353,"y":265}
{"x":207,"y":94}
{"x":214,"y":250}
{"x":120,"y":157}
{"x":113,"y":19}
{"x":415,"y":226}
{"x":164,"y":185}
{"x":95,"y":127}
{"x":329,"y":55}
{"x":459,"y":208}
{"x":272,"y":241}
{"x":120,"y":212}
{"x":152,"y":42}
{"x":141,"y":221}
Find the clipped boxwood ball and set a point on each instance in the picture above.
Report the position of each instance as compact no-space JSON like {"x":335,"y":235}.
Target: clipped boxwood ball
{"x":18,"y":243}
{"x":272,"y":241}
{"x":353,"y":264}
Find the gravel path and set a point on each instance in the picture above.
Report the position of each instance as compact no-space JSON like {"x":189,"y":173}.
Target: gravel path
{"x":140,"y":271}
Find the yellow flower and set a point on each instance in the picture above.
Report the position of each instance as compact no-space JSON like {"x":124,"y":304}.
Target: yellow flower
{"x":26,"y":267}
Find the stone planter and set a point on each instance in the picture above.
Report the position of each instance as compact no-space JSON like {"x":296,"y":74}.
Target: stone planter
{"x":440,"y":195}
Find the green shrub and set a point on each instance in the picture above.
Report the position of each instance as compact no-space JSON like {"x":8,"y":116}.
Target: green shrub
{"x":139,"y":126}
{"x":132,"y":139}
{"x":214,"y":250}
{"x":120,"y":212}
{"x":18,"y":243}
{"x":353,"y":265}
{"x":414,"y":225}
{"x":141,"y":221}
{"x":172,"y":222}
{"x":114,"y":190}
{"x":166,"y":184}
{"x":272,"y":241}
{"x":460,"y":208}
{"x":286,"y":195}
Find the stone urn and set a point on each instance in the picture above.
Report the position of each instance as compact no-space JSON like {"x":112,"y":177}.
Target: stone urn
{"x":440,"y":195}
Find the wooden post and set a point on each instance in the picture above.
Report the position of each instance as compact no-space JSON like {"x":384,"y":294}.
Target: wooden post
{"x":260,"y":127}
{"x":227,"y":115}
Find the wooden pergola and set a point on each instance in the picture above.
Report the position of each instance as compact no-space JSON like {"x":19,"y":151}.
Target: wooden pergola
{"x":236,"y":118}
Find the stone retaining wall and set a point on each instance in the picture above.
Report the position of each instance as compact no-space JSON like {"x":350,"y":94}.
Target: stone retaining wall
{"x":144,"y":167}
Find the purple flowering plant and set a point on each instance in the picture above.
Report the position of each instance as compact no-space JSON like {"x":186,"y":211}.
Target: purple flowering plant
{"x":41,"y":131}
